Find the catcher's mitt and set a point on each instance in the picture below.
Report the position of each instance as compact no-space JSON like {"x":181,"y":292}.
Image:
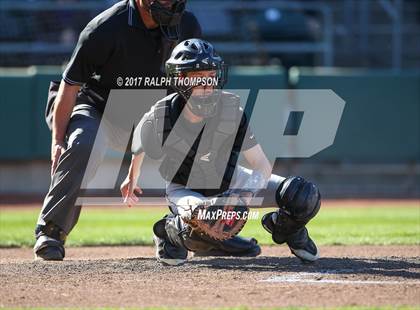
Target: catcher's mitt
{"x":217,"y":220}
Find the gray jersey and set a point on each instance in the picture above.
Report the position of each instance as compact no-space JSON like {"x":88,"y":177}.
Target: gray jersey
{"x":202,"y":155}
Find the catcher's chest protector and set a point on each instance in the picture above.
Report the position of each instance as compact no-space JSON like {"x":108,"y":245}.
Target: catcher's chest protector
{"x":210,"y":163}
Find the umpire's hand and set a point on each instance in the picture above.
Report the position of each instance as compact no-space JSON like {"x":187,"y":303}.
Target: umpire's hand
{"x":57,"y":148}
{"x":63,"y":107}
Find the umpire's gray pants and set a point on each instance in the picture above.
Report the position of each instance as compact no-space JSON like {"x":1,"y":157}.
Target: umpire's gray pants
{"x":59,"y":204}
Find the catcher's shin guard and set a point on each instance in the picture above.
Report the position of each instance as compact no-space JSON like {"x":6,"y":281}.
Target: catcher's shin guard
{"x":169,"y":251}
{"x":49,"y":243}
{"x":299,"y":201}
{"x":236,"y":246}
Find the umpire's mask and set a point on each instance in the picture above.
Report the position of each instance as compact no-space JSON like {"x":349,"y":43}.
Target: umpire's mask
{"x":168,"y":14}
{"x":189,"y":61}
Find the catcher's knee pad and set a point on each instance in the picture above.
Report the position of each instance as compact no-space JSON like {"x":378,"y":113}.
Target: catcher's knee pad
{"x":299,"y":201}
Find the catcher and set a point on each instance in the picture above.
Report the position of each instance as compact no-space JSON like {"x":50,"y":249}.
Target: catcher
{"x":200,"y":131}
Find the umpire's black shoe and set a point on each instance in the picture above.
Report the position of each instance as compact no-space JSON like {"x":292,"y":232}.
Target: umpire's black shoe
{"x":236,"y":246}
{"x":166,"y":252}
{"x":302,"y":246}
{"x":49,"y":243}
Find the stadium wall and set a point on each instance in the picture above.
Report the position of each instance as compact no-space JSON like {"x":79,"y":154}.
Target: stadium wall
{"x":376,"y":146}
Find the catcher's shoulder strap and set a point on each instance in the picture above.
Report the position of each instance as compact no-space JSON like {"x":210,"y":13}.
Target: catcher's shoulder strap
{"x":161,"y":117}
{"x":226,"y":123}
{"x":221,"y":127}
{"x":227,"y":126}
{"x":165,"y":117}
{"x":154,"y":125}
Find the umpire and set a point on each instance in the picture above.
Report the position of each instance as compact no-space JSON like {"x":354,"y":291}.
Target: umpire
{"x":130,"y":39}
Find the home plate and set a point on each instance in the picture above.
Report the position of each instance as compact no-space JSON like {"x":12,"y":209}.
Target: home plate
{"x":318,"y":278}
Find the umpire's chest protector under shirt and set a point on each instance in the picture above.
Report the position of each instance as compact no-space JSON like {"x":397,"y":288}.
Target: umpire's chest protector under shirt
{"x":117,"y":51}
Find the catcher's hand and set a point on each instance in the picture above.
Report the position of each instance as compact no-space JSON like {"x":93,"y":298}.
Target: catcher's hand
{"x":219,"y":221}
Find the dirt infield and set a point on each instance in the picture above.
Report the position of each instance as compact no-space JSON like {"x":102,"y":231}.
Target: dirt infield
{"x":130,"y":276}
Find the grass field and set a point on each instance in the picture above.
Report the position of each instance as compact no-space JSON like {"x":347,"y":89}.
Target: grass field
{"x":345,"y":277}
{"x":245,"y":308}
{"x":378,"y":225}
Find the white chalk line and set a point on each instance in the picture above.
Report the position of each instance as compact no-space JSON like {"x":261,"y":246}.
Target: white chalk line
{"x":314,"y":279}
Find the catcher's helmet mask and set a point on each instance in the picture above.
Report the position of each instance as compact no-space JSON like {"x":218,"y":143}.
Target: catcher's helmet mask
{"x":168,"y":17}
{"x":197,"y":55}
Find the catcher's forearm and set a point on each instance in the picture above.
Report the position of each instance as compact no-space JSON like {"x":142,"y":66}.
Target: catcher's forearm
{"x":266,"y":198}
{"x":258,"y":161}
{"x":135,"y":166}
{"x":263,"y":166}
{"x":63,"y":107}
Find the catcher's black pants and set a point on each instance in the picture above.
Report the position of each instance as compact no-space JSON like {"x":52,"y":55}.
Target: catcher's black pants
{"x":59,"y":204}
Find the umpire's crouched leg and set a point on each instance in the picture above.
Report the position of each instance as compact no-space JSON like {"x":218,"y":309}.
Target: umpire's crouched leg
{"x":59,"y":214}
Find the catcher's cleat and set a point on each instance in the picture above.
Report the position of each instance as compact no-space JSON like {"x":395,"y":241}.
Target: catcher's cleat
{"x":236,"y":247}
{"x":302,"y":246}
{"x":283,"y":229}
{"x":167,"y":254}
{"x":49,"y":243}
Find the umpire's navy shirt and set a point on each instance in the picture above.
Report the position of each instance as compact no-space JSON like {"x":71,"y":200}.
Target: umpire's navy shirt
{"x":116,"y":46}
